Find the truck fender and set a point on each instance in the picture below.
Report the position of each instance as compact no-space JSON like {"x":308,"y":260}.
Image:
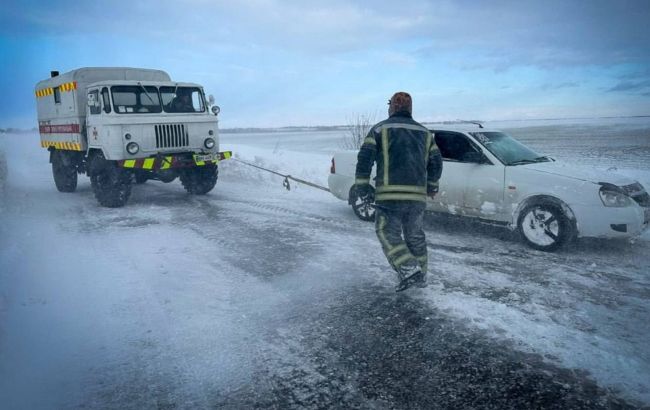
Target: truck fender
{"x":68,"y":158}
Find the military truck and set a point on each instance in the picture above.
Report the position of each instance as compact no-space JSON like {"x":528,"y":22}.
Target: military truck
{"x":127,"y":125}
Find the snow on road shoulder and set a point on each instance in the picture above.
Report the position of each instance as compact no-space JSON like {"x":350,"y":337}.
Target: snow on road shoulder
{"x":585,"y":308}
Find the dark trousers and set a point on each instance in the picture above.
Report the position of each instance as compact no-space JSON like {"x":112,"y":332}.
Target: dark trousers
{"x":394,"y":219}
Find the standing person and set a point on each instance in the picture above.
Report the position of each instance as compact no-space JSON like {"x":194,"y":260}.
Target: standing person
{"x":408,"y":168}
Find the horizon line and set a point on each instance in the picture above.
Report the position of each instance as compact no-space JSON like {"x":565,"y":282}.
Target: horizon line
{"x":285,"y":127}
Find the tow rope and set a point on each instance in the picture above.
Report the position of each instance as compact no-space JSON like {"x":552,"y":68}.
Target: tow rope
{"x":287,"y":177}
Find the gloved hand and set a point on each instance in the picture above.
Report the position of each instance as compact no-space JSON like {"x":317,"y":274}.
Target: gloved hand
{"x":363,"y":190}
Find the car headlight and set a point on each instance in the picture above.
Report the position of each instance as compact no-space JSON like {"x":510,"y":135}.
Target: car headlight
{"x":209,"y":143}
{"x":612,"y":198}
{"x":132,"y":148}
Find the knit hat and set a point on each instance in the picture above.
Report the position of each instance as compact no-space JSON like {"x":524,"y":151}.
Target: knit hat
{"x":400,"y":101}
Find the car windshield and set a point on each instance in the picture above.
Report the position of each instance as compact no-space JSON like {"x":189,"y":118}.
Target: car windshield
{"x":182,"y":99}
{"x":507,"y":149}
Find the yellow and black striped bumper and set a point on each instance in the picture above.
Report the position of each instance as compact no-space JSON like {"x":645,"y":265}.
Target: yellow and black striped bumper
{"x":171,"y":161}
{"x":72,"y":146}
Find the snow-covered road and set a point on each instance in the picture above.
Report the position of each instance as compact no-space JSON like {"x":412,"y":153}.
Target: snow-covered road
{"x":254,"y":296}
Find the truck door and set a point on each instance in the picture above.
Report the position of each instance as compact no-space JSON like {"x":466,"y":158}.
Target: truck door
{"x":93,"y":112}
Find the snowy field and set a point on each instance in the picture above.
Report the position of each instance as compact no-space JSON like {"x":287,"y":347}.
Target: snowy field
{"x":255,"y":296}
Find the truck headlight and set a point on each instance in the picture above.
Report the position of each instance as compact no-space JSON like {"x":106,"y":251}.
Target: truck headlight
{"x":612,"y":198}
{"x":132,"y":148}
{"x":209,"y":143}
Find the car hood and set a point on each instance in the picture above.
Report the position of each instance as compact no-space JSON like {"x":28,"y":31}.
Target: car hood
{"x":582,"y":173}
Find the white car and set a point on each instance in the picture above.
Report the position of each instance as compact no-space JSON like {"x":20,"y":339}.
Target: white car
{"x":493,"y":177}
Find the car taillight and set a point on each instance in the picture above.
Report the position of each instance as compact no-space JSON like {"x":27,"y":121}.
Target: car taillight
{"x":333,"y":167}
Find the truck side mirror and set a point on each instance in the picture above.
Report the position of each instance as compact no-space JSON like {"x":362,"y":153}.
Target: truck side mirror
{"x":211,"y":99}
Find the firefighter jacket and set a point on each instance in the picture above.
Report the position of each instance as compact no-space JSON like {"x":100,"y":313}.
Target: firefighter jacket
{"x":408,"y":161}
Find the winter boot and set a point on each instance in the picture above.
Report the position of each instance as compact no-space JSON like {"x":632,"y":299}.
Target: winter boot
{"x":421,"y":280}
{"x":409,"y":277}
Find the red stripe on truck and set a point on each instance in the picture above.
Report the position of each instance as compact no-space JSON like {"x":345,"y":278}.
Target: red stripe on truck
{"x":59,"y":129}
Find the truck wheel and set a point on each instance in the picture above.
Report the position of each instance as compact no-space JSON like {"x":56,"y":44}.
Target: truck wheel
{"x":544,"y":226}
{"x":111,"y":184}
{"x":363,"y":207}
{"x":199,"y":180}
{"x":65,"y":175}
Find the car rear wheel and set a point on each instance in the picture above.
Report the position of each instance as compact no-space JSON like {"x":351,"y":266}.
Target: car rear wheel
{"x":363,"y":207}
{"x":544,"y":226}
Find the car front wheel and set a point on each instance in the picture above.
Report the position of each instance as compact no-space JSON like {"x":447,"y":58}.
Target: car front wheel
{"x":544,"y":226}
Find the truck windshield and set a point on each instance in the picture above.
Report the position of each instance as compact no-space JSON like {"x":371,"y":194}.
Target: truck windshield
{"x":135,"y":99}
{"x":182,"y":99}
{"x":507,"y":149}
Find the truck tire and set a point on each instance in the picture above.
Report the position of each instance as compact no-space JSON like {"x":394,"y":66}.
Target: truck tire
{"x":64,"y":172}
{"x":111,"y":184}
{"x":199,"y":180}
{"x":544,"y":226}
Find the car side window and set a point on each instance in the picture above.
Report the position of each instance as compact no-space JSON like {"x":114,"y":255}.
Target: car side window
{"x":454,"y":146}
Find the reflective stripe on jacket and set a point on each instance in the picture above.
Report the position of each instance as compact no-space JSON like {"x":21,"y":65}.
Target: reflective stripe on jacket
{"x":408,"y":160}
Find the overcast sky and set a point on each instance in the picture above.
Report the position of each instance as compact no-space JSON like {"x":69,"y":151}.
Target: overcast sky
{"x":279,"y":63}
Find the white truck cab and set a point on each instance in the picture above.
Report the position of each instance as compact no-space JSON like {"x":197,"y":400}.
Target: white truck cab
{"x":121,"y":125}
